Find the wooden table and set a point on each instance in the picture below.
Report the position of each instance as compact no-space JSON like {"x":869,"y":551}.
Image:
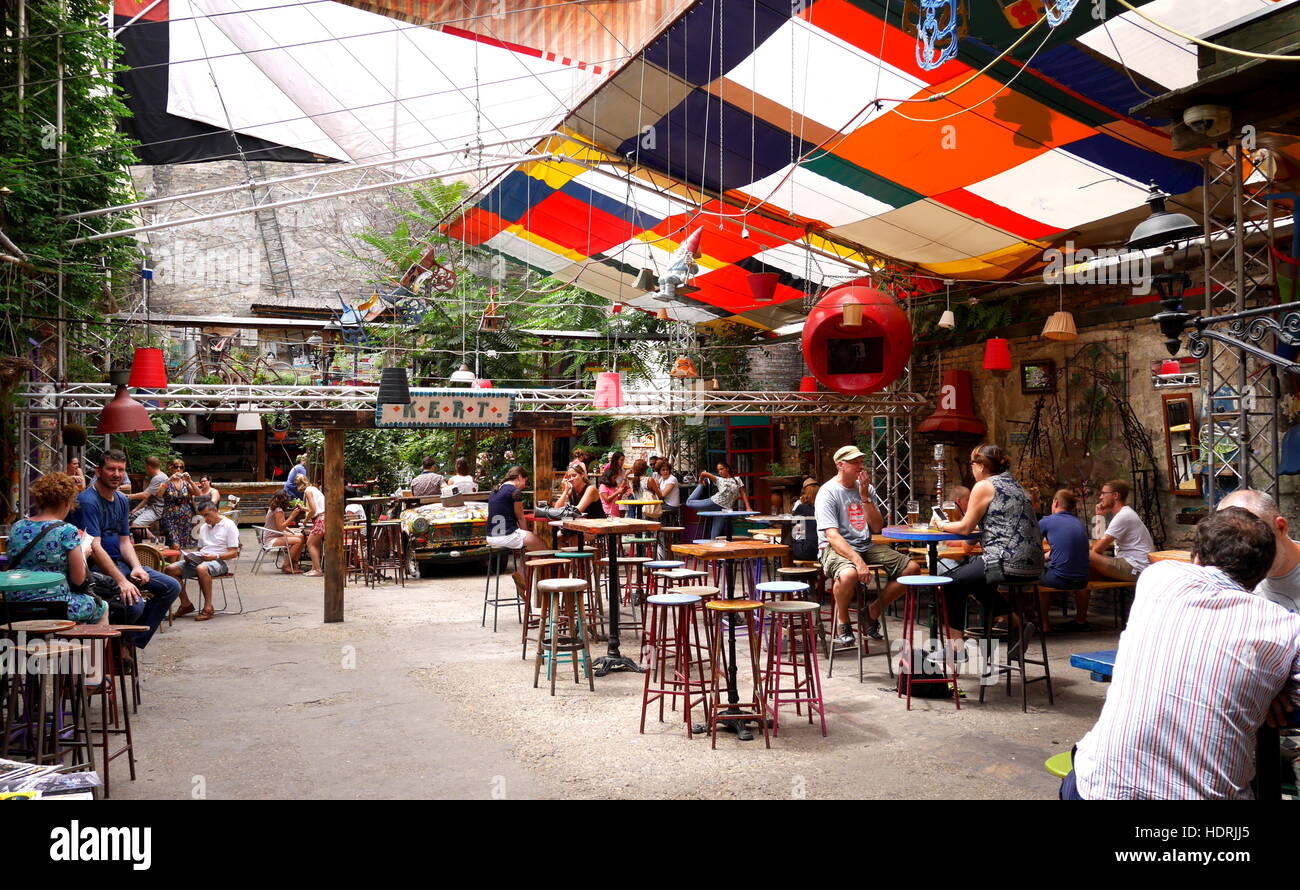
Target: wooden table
{"x":1176,"y":555}
{"x":729,"y":552}
{"x":610,"y":530}
{"x":930,"y":537}
{"x":787,"y":523}
{"x":635,"y":512}
{"x":39,"y":626}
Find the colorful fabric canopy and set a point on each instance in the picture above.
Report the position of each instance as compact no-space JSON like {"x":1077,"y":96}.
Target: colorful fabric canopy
{"x":805,"y":139}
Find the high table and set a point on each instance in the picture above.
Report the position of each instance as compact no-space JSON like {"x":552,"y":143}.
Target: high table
{"x":928,"y":536}
{"x":786,"y":521}
{"x":729,"y":552}
{"x":635,"y":506}
{"x":726,"y":516}
{"x":1174,"y":555}
{"x":610,"y":529}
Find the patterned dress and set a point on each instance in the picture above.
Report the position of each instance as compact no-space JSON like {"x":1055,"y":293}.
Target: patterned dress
{"x":178,"y":516}
{"x":51,"y":555}
{"x":1009,"y":532}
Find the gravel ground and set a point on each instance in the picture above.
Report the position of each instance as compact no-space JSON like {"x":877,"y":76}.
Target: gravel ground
{"x":411,"y":698}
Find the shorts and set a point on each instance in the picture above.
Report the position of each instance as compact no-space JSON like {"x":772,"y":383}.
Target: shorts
{"x":1117,"y":568}
{"x":216,"y":568}
{"x":318,"y":526}
{"x":889,"y":559}
{"x":146,"y":516}
{"x":512,"y":541}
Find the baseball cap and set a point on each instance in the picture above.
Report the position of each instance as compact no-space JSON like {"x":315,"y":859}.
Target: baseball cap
{"x":848,"y":452}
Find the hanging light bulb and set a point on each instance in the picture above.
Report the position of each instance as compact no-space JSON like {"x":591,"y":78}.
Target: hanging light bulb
{"x":947,"y":320}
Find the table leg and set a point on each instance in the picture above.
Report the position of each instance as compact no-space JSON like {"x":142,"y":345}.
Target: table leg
{"x":614,"y":660}
{"x":741,"y":730}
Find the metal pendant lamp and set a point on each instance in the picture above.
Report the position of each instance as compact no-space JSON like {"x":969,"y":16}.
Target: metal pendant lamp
{"x":947,"y":321}
{"x":1162,"y":226}
{"x":462,"y":375}
{"x":124,"y":415}
{"x":393,"y":387}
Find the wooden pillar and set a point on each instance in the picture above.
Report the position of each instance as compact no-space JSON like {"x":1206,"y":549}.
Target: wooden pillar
{"x":335,"y":569}
{"x":543,"y":465}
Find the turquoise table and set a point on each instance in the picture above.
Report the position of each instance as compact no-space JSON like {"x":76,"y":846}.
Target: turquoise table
{"x":18,"y":581}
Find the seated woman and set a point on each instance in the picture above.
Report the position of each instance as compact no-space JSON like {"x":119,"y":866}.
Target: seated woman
{"x":730,"y":489}
{"x":1009,"y":534}
{"x":613,"y":486}
{"x":205,"y":489}
{"x":460,"y":483}
{"x":505,"y":524}
{"x":46,"y":543}
{"x":280,"y":533}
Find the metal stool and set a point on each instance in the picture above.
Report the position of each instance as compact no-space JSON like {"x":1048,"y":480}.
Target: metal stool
{"x":754,"y":709}
{"x":560,"y":634}
{"x":1017,"y":595}
{"x":498,"y":561}
{"x":802,"y":659}
{"x":674,"y":634}
{"x":706,"y":594}
{"x":907,"y":658}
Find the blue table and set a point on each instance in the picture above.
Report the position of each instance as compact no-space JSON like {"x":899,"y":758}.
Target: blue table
{"x":930,"y":537}
{"x":725,"y":517}
{"x":1100,"y":665}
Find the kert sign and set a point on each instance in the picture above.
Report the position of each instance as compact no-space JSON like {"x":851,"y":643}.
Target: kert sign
{"x":449,"y":409}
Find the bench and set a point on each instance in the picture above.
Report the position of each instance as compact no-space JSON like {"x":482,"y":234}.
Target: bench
{"x":1117,"y":601}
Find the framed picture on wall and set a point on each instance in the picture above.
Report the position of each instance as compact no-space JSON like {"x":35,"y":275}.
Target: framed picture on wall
{"x":1038,"y":376}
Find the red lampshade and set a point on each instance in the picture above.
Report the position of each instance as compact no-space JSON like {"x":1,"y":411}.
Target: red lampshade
{"x":148,"y":370}
{"x":124,"y":415}
{"x":807,"y":384}
{"x":997,"y":355}
{"x":482,"y":384}
{"x":763,"y":286}
{"x":1171,"y":366}
{"x":609,"y":390}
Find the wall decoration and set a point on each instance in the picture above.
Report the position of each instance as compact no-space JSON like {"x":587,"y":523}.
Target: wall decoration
{"x":1038,"y":376}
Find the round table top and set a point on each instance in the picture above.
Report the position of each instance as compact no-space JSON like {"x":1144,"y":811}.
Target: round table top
{"x":89,"y":632}
{"x":1176,"y":555}
{"x":648,"y":502}
{"x":727,"y":513}
{"x":747,"y":549}
{"x":914,"y":533}
{"x":40,"y":626}
{"x":25,"y":580}
{"x":923,"y":580}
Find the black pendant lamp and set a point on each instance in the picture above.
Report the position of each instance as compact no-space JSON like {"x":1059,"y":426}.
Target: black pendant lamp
{"x":393,"y":388}
{"x":1162,"y":226}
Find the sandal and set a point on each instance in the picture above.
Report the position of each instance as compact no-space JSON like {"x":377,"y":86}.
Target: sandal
{"x":184,"y":610}
{"x":204,"y":615}
{"x":313,"y":574}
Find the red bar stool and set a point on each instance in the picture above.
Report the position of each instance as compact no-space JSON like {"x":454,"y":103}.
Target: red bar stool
{"x":908,"y":657}
{"x":719,"y":710}
{"x":674,"y":635}
{"x":704,"y":653}
{"x":792,"y":623}
{"x":535,"y":571}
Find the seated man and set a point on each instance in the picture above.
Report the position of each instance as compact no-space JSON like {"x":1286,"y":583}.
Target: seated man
{"x":1282,"y":584}
{"x":101,"y":512}
{"x":1126,"y":533}
{"x":150,"y":511}
{"x":429,"y":483}
{"x":1180,"y":727}
{"x":1067,"y":567}
{"x":847,"y":517}
{"x":218,"y":543}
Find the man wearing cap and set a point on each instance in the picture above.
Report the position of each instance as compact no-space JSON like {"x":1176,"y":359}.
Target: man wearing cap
{"x":847,"y":517}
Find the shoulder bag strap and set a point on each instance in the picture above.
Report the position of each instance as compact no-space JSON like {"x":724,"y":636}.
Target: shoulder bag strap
{"x":18,"y":560}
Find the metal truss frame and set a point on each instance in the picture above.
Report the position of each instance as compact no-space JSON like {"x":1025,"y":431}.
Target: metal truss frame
{"x":1240,"y":389}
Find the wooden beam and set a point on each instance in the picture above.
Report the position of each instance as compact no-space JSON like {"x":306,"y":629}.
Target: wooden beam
{"x":335,"y":568}
{"x":543,"y":465}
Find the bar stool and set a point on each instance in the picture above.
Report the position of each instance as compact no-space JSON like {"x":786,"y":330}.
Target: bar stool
{"x":674,"y":634}
{"x":388,"y":554}
{"x":638,"y":545}
{"x":907,"y":659}
{"x":754,"y":709}
{"x":668,"y":536}
{"x":97,"y":637}
{"x":535,"y":571}
{"x":354,"y":547}
{"x":706,"y":594}
{"x":800,"y":615}
{"x":584,"y":566}
{"x":499,"y":560}
{"x":1018,"y":595}
{"x":815,"y":578}
{"x":562,"y":598}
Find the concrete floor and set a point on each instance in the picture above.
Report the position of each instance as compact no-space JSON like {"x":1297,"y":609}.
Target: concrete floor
{"x":411,"y":698}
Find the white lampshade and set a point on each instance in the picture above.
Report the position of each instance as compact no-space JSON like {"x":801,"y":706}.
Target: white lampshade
{"x":947,"y":320}
{"x":462,"y":375}
{"x":247,"y":420}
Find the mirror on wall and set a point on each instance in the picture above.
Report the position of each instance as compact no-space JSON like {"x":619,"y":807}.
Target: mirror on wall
{"x":1180,"y":444}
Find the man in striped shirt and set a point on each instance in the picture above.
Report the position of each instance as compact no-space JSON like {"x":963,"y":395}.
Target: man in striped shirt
{"x":1199,"y":665}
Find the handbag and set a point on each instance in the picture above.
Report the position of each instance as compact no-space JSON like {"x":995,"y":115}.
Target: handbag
{"x":652,"y":511}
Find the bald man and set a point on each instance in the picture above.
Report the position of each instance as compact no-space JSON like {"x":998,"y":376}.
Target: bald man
{"x":1282,"y":584}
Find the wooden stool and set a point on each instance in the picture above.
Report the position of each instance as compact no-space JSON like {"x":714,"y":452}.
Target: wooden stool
{"x":674,"y":634}
{"x":98,"y":637}
{"x":583,"y":565}
{"x":706,"y":594}
{"x":562,"y":605}
{"x":908,"y":662}
{"x":535,"y":571}
{"x":499,"y":559}
{"x":719,"y":710}
{"x":124,"y":659}
{"x":1018,"y":595}
{"x":802,"y":659}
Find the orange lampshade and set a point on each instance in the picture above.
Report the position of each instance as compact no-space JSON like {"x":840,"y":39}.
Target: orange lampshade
{"x":684,"y":369}
{"x":997,"y":355}
{"x":124,"y":415}
{"x":852,"y":315}
{"x":148,"y":370}
{"x":609,"y":390}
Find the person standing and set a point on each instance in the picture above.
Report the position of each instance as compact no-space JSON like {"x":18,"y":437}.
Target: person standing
{"x":428,"y":484}
{"x":665,"y":486}
{"x":804,"y":532}
{"x":218,"y":545}
{"x":46,"y":543}
{"x":612,"y":486}
{"x":101,"y":512}
{"x":847,"y":517}
{"x":205,"y":490}
{"x":1067,"y":568}
{"x":1202,"y":663}
{"x":314,"y":524}
{"x":178,"y":508}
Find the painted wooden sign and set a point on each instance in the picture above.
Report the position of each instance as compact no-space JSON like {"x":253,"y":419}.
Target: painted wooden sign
{"x":449,"y":409}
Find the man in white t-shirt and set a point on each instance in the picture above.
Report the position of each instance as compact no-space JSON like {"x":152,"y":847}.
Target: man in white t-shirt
{"x":1126,"y":533}
{"x":218,"y":544}
{"x":1282,"y":584}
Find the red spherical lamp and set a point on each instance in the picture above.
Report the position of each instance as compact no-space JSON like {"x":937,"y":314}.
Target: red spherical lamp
{"x":857,"y":339}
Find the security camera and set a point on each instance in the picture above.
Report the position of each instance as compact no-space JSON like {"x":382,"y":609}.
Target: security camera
{"x":1208,"y":120}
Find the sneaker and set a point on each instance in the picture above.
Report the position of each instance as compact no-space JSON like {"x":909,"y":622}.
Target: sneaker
{"x":871,"y":627}
{"x":845,"y":637}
